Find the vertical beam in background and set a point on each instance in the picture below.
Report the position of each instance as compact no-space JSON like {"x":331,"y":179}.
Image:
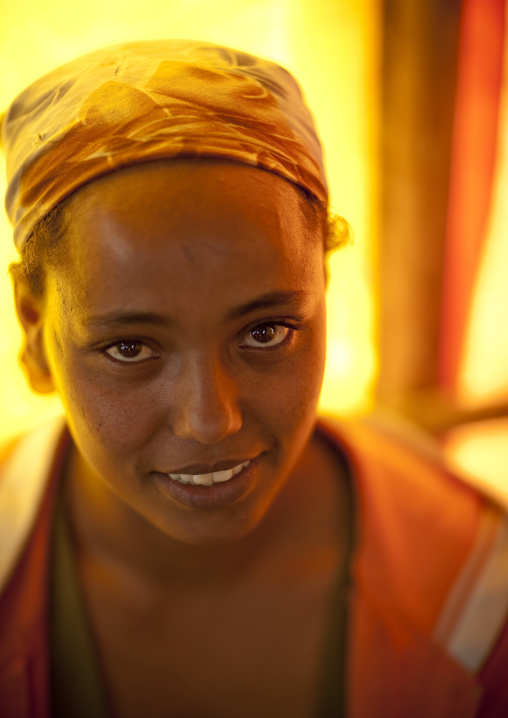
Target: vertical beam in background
{"x":473,"y":163}
{"x":418,"y":77}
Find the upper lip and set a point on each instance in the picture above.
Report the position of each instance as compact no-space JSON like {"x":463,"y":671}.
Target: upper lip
{"x":208,"y":468}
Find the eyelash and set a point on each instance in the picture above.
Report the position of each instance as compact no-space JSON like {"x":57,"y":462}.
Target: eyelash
{"x":291,"y":329}
{"x":137,"y":342}
{"x":290,"y":326}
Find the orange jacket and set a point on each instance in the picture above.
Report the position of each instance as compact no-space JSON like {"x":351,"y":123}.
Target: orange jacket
{"x":427,"y":604}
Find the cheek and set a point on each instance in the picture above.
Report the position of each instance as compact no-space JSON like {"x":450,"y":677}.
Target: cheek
{"x":289,"y":397}
{"x":102,"y":420}
{"x":114,"y":423}
{"x":307,"y":375}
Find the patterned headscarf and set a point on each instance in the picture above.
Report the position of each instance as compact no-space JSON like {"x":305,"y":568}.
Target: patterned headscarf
{"x":143,"y":101}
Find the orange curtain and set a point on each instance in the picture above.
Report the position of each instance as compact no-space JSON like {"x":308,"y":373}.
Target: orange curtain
{"x":472,"y":171}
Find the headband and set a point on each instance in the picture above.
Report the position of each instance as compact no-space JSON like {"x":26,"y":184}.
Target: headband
{"x":142,"y":101}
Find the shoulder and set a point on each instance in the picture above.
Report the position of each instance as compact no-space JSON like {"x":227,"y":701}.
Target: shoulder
{"x":402,"y":480}
{"x":399,"y":468}
{"x":26,"y":463}
{"x":431,"y":548}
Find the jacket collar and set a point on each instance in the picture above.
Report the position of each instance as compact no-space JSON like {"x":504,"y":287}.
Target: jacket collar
{"x":395,"y":668}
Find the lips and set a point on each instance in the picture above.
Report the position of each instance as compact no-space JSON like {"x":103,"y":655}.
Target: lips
{"x":210,"y":486}
{"x":196,"y":476}
{"x":203,"y":468}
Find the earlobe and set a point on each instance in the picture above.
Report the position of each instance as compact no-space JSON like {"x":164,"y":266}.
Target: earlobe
{"x":30,"y":310}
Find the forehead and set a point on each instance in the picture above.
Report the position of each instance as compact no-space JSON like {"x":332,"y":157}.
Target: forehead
{"x":166,"y":190}
{"x":189,"y":221}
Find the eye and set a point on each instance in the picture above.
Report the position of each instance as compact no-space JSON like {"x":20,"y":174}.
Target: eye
{"x":266,"y":335}
{"x":130,"y":351}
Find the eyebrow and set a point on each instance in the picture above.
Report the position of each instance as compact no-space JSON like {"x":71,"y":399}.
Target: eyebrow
{"x":265,"y":301}
{"x":124,"y":318}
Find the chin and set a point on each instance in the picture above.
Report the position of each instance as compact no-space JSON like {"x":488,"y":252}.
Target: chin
{"x":202,"y":534}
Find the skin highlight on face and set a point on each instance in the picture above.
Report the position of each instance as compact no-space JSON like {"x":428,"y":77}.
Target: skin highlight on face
{"x":192,"y":335}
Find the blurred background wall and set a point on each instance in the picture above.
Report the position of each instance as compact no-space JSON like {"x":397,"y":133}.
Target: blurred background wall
{"x":443,"y":227}
{"x":332,"y":46}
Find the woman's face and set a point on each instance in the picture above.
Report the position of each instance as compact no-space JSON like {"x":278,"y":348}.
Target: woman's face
{"x":187,"y":340}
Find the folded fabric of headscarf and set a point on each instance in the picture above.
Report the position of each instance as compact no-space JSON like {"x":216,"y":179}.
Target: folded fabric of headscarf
{"x":143,"y":101}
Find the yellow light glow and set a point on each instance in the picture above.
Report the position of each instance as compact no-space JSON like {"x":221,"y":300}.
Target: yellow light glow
{"x":330,"y":45}
{"x":480,"y":452}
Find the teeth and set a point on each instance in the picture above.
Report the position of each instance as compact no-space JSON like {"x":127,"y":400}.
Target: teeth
{"x":203,"y":479}
{"x":220,"y":476}
{"x":217,"y":477}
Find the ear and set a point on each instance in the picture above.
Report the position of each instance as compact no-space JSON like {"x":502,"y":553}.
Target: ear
{"x":30,"y":310}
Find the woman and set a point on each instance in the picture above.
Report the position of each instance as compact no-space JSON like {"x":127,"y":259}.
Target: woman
{"x":184,"y":545}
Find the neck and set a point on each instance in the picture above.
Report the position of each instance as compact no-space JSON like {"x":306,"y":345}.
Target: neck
{"x":306,"y":517}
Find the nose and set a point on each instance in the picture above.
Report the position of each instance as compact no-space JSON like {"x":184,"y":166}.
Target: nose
{"x":206,"y":406}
